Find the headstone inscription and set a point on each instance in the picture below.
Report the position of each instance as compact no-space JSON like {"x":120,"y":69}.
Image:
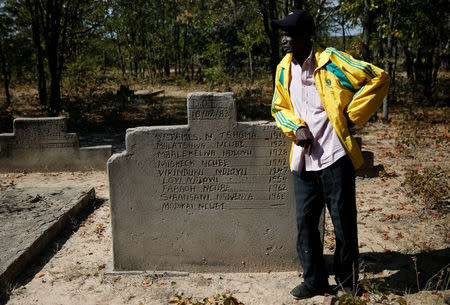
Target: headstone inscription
{"x":43,"y":144}
{"x":213,"y":195}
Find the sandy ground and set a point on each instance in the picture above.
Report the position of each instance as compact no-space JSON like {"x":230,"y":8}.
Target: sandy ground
{"x":392,"y":228}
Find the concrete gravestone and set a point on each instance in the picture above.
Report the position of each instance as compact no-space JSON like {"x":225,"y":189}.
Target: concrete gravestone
{"x":212,"y":195}
{"x":43,"y":144}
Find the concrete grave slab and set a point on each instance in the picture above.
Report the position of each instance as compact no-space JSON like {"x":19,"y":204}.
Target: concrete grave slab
{"x":30,"y":218}
{"x":213,"y":195}
{"x":43,"y":144}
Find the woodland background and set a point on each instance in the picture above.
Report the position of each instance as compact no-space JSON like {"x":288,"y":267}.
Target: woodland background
{"x":68,"y":57}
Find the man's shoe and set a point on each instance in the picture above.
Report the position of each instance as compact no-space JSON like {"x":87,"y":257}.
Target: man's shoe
{"x":303,"y":292}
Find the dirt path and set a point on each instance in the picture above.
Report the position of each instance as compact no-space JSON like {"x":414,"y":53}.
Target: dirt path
{"x":395,"y":234}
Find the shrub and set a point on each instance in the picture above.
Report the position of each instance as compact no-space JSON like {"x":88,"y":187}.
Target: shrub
{"x":429,"y":185}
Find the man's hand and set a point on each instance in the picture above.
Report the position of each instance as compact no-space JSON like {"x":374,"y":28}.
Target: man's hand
{"x":304,"y":138}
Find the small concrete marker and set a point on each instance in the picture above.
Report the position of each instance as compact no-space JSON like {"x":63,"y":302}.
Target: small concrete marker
{"x":43,"y":144}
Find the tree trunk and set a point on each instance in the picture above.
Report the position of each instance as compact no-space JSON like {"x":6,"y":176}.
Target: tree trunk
{"x":185,"y":56}
{"x":380,"y":49}
{"x":269,"y":13}
{"x":123,"y":65}
{"x":409,"y":63}
{"x":388,"y":67}
{"x":121,"y":59}
{"x":250,"y":65}
{"x":42,"y":77}
{"x":436,"y":66}
{"x":167,"y":67}
{"x":428,"y":76}
{"x":418,"y":66}
{"x":366,"y":30}
{"x":286,"y":7}
{"x":54,"y":37}
{"x":177,"y":51}
{"x":6,"y":76}
{"x":343,"y":34}
{"x":33,"y":8}
{"x":199,"y":74}
{"x":192,"y":67}
{"x":55,"y":82}
{"x":393,"y":84}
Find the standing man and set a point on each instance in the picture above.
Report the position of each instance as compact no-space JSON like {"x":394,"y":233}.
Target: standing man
{"x":318,"y":95}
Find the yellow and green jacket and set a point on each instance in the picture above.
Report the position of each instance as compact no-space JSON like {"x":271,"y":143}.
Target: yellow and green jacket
{"x":344,"y":85}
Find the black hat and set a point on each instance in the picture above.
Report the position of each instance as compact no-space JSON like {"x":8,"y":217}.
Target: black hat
{"x":297,"y":22}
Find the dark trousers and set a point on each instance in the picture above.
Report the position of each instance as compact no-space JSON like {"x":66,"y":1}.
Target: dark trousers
{"x":335,"y":186}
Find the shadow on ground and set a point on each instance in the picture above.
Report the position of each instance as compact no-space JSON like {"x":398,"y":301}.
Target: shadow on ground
{"x":31,"y":270}
{"x":411,"y":272}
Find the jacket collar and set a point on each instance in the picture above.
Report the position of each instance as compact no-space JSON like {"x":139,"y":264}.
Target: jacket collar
{"x":321,"y":59}
{"x":286,"y":61}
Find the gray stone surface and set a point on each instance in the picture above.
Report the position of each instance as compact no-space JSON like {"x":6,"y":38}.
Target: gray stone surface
{"x":29,"y":219}
{"x":43,"y":144}
{"x":213,"y":195}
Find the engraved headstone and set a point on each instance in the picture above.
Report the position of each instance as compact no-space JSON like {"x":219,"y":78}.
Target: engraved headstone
{"x":214,"y":195}
{"x":43,"y":144}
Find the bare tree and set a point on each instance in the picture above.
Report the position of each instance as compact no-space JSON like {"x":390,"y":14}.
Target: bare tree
{"x":33,"y":8}
{"x":366,"y":30}
{"x":268,"y":9}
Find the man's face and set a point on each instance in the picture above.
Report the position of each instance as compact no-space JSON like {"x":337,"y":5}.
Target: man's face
{"x":294,"y":43}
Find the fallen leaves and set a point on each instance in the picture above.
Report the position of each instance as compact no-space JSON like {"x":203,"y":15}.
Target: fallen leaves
{"x":99,"y":230}
{"x":224,"y":299}
{"x":393,"y":217}
{"x":174,"y":300}
{"x":424,"y":246}
{"x":101,"y":266}
{"x":366,"y":296}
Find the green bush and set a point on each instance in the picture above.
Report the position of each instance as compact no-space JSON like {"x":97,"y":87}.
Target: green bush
{"x":430,"y":185}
